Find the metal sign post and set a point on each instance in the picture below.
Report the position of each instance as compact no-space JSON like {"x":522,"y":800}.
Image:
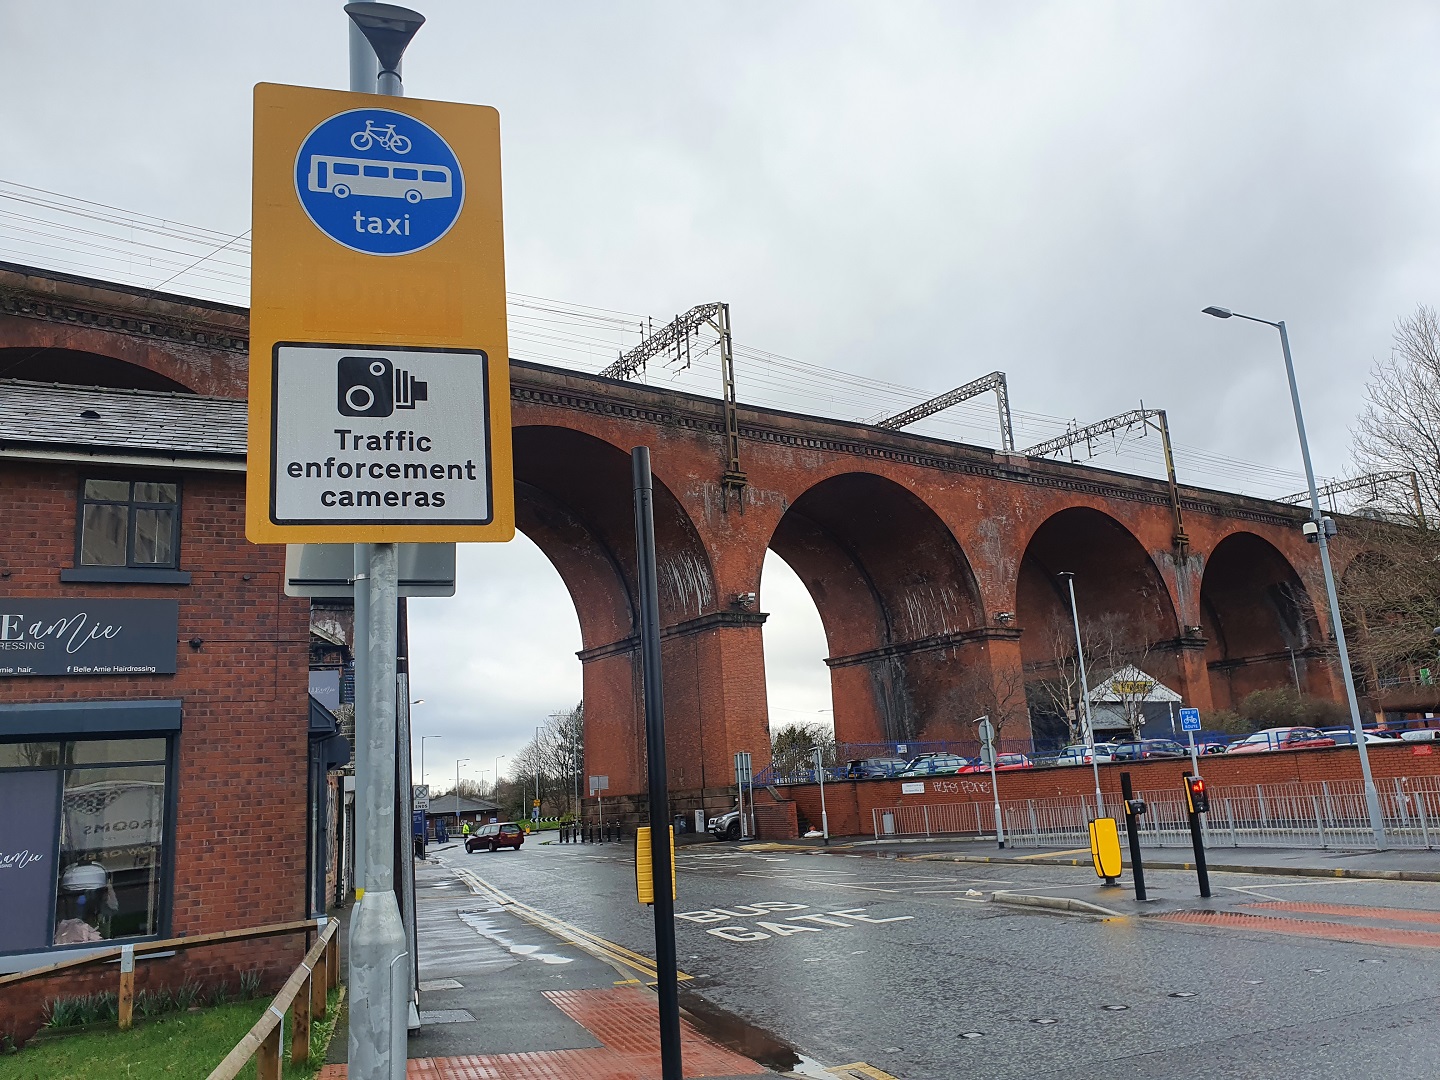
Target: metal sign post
{"x":987,"y":752}
{"x":597,"y":785}
{"x":667,"y":986}
{"x":744,"y":776}
{"x":1190,"y":723}
{"x":379,"y":402}
{"x":824,"y":817}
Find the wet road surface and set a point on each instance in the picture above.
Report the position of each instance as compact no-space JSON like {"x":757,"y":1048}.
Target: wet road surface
{"x":906,"y":965}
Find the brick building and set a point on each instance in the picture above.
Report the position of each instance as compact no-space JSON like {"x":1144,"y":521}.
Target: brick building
{"x":163,"y":769}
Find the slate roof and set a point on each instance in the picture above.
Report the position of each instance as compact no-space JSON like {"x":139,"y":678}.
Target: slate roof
{"x":140,"y":421}
{"x":440,"y":805}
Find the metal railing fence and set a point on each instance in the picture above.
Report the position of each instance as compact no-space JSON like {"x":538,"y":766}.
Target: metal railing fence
{"x":1329,"y":814}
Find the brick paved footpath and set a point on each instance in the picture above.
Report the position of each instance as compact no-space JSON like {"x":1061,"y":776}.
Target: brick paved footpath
{"x":503,"y":1000}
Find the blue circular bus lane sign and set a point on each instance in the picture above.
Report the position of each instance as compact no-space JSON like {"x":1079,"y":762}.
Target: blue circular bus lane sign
{"x":379,"y":182}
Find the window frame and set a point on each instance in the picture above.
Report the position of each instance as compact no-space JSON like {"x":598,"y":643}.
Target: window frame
{"x":154,"y":573}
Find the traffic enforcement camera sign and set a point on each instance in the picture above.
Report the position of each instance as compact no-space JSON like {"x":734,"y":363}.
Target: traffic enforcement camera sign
{"x":379,"y":371}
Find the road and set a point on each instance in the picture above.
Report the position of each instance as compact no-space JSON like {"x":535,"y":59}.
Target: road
{"x":908,"y":966}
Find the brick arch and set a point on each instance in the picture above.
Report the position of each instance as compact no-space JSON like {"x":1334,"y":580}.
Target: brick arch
{"x":898,"y":617}
{"x":573,"y":499}
{"x":1256,"y":615}
{"x":132,"y":360}
{"x":75,"y":367}
{"x":1121,"y":595}
{"x":577,"y":494}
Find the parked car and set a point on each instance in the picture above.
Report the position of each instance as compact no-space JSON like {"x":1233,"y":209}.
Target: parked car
{"x":874,"y":768}
{"x":1079,"y":754}
{"x":1144,"y":749}
{"x":726,"y":826}
{"x":1003,"y":763}
{"x":1346,"y":736}
{"x":935,"y":765}
{"x":495,"y":836}
{"x":1282,"y":738}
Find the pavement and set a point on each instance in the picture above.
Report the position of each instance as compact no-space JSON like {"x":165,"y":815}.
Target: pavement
{"x":508,"y":995}
{"x":1395,"y":865}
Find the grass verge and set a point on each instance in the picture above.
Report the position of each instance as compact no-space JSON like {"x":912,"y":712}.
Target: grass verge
{"x":179,"y":1045}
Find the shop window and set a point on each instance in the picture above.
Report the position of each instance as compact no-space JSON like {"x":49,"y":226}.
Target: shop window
{"x":82,"y":840}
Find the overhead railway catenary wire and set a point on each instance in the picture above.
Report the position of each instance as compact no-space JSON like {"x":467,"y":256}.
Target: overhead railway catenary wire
{"x":44,"y":227}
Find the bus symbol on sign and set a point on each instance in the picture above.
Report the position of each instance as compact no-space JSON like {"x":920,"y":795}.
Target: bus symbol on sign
{"x":379,"y":182}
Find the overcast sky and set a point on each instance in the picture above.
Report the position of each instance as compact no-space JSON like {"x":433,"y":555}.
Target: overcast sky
{"x":915,"y":192}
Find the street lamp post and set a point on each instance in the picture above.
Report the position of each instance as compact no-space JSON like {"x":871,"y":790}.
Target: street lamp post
{"x":458,"y":763}
{"x":1319,"y":528}
{"x":496,"y":789}
{"x":422,"y":751}
{"x":1069,"y":577}
{"x":535,"y":812}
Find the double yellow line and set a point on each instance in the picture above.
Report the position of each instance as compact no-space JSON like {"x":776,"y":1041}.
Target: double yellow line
{"x":596,"y":946}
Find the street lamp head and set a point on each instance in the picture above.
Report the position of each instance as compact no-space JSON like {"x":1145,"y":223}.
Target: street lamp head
{"x":388,"y":28}
{"x":1067,"y":574}
{"x":1218,"y":312}
{"x":418,"y":701}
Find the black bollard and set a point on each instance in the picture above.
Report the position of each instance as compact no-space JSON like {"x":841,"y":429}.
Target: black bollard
{"x":1133,"y":809}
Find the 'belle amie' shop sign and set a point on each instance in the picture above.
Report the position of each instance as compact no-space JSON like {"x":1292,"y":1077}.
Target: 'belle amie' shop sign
{"x":86,"y":636}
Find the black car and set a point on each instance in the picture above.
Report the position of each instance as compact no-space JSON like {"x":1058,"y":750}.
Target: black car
{"x":1144,"y":749}
{"x":874,"y":768}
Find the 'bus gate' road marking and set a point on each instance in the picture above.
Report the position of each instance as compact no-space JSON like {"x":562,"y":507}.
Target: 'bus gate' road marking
{"x":772,"y":928}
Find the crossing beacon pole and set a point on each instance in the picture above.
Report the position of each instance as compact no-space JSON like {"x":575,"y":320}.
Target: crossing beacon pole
{"x":659,"y":794}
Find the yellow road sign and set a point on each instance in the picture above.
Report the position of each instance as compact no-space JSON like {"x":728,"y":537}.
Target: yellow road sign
{"x":379,"y":364}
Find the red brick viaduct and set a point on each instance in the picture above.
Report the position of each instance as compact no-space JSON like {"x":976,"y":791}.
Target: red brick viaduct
{"x":933,"y":564}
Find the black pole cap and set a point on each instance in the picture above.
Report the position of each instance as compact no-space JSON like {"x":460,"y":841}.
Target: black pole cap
{"x":388,"y":28}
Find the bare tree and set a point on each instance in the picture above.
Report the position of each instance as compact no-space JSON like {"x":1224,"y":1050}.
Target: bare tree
{"x":1390,"y":592}
{"x":1123,"y":661}
{"x":998,"y":694}
{"x":1399,"y":427}
{"x":1055,"y":687}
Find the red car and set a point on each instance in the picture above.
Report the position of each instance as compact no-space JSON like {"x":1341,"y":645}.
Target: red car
{"x":494,"y":836}
{"x":1003,"y":763}
{"x":1282,"y":738}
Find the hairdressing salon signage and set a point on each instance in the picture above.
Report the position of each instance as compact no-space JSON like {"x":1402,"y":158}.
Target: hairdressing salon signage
{"x":86,"y":636}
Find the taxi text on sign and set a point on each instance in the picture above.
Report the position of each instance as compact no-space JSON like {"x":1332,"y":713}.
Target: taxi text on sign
{"x":379,"y":371}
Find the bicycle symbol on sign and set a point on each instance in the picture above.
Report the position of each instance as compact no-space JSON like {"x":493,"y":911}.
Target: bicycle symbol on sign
{"x":387,"y":137}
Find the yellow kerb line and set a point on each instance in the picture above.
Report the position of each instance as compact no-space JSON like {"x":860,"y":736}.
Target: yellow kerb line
{"x":1053,"y":854}
{"x":583,"y":939}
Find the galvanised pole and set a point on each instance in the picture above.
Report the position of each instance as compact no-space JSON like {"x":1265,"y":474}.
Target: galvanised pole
{"x":1085,"y":696}
{"x":1317,"y":517}
{"x":379,"y":979}
{"x":1372,"y":797}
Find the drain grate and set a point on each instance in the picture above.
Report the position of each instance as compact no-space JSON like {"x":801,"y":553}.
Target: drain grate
{"x":441,"y":984}
{"x":446,"y":1016}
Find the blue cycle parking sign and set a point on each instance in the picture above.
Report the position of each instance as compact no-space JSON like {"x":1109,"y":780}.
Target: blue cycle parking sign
{"x":379,"y":182}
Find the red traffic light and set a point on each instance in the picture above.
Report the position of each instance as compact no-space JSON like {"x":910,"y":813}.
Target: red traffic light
{"x":1196,"y":795}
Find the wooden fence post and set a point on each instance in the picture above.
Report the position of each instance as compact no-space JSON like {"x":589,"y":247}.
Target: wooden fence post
{"x":319,"y":987}
{"x":126,"y":997}
{"x":300,"y":1013}
{"x":267,"y":1057}
{"x":332,"y":962}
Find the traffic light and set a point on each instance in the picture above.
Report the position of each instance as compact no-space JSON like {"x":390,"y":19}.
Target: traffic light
{"x":1195,"y":795}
